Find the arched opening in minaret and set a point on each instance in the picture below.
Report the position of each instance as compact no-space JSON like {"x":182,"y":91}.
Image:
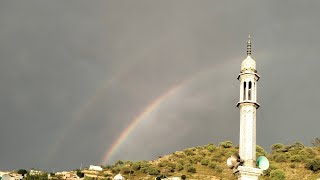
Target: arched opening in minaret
{"x":250,"y":91}
{"x":244,"y":90}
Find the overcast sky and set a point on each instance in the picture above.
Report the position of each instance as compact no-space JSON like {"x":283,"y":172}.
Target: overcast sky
{"x":74,"y":74}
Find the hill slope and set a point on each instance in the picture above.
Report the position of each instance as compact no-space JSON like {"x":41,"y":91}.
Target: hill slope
{"x":209,"y":162}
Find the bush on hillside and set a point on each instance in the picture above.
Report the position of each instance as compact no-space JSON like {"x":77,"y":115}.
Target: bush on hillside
{"x":280,"y":158}
{"x":226,"y":144}
{"x":260,"y":151}
{"x":217,"y":158}
{"x":136,"y":166}
{"x":293,"y":165}
{"x":183,"y":177}
{"x":298,"y":158}
{"x":127,"y":170}
{"x":297,"y":146}
{"x":119,"y":163}
{"x":313,"y":165}
{"x":189,"y":152}
{"x":22,"y":171}
{"x":268,"y":171}
{"x":205,"y":162}
{"x":277,"y":175}
{"x":277,"y":147}
{"x":210,"y":147}
{"x":80,"y":174}
{"x":191,"y":169}
{"x":212,"y":165}
{"x":218,"y":169}
{"x":198,"y":158}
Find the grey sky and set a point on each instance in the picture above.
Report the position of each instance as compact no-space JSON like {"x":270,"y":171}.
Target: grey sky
{"x":74,"y":74}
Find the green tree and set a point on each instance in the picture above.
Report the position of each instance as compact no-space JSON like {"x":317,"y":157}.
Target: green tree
{"x":22,"y":171}
{"x":80,"y":174}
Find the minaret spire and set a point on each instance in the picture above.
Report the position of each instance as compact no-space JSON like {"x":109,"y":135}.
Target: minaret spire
{"x":249,"y":46}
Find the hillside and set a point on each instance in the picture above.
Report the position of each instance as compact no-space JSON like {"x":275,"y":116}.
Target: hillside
{"x":209,"y":162}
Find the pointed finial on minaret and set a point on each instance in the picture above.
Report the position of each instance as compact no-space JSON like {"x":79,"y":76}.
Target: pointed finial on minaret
{"x":249,"y":46}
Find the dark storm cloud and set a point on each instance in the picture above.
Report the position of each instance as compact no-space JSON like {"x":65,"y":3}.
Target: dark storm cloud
{"x":75,"y":73}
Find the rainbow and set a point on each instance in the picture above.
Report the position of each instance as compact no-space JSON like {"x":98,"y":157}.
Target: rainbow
{"x":148,"y":110}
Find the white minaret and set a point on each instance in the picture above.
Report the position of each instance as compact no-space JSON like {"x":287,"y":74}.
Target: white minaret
{"x":248,"y":106}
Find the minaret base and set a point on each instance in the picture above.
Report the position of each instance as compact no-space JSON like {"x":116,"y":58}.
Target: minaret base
{"x":248,"y":173}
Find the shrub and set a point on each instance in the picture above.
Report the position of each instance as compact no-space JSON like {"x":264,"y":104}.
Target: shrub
{"x":298,"y":158}
{"x":136,"y":166}
{"x":280,"y":158}
{"x":115,"y":170}
{"x":268,"y":171}
{"x":297,"y":146}
{"x":226,"y":144}
{"x":260,"y":151}
{"x":191,"y":169}
{"x":217,"y":157}
{"x":189,"y":152}
{"x":218,"y":169}
{"x":163,"y":163}
{"x":119,"y":163}
{"x":212,"y":165}
{"x":277,"y":175}
{"x":183,"y":177}
{"x":293,"y":165}
{"x":205,"y":162}
{"x":22,"y":171}
{"x":313,"y":165}
{"x":80,"y":174}
{"x":198,"y":158}
{"x":153,"y":171}
{"x":211,"y":148}
{"x":277,"y":147}
{"x":127,"y":170}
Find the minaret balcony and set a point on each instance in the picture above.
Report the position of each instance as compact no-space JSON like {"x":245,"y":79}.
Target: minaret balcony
{"x":257,"y":105}
{"x":244,"y":73}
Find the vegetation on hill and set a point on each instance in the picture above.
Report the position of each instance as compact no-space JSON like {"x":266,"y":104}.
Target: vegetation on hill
{"x":209,"y":162}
